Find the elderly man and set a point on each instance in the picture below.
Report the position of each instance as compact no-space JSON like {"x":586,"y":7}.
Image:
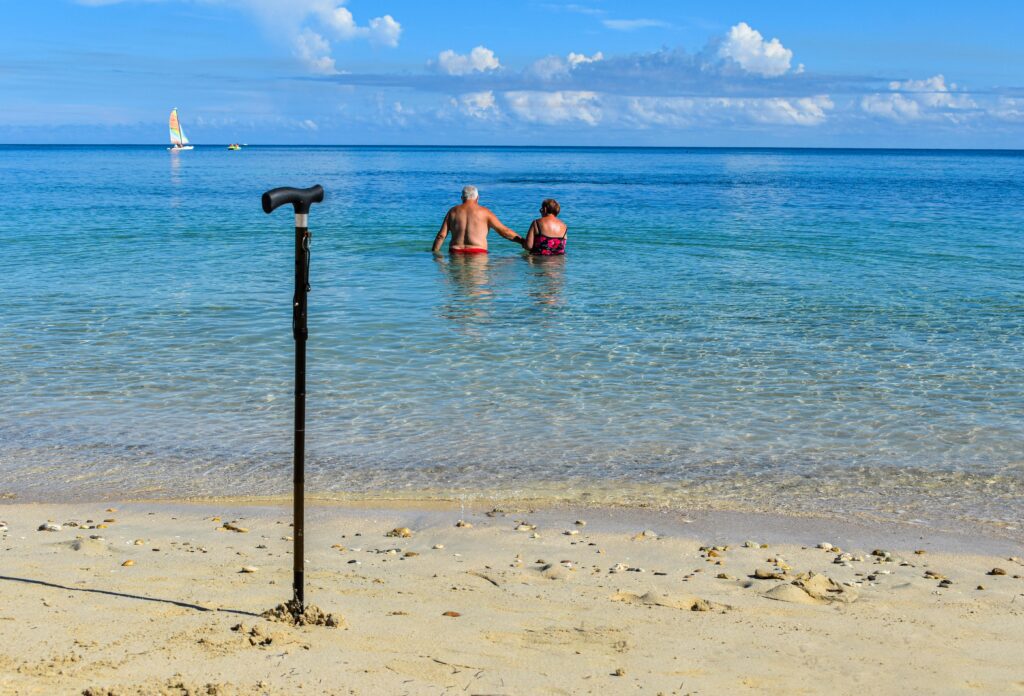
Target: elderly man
{"x":469,"y":224}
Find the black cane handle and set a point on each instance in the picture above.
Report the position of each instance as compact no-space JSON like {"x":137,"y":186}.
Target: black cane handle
{"x":300,"y":198}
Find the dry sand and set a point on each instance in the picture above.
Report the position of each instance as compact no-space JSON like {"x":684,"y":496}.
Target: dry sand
{"x":489,"y":609}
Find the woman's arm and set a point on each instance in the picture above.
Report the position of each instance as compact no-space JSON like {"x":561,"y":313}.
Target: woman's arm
{"x":528,"y":243}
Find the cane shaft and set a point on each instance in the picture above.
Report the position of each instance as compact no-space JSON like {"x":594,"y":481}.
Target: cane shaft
{"x":300,"y":332}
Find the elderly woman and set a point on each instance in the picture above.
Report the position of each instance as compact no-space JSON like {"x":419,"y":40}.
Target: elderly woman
{"x":547,"y":233}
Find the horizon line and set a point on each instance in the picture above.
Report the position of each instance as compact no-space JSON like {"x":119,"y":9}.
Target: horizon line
{"x":543,"y":147}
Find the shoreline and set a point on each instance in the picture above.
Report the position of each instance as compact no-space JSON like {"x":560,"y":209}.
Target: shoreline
{"x":650,"y":498}
{"x":160,"y":597}
{"x":711,"y":523}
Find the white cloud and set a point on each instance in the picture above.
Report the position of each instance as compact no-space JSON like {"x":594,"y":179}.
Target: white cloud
{"x":339,"y":19}
{"x":892,"y":106}
{"x":581,"y":58}
{"x":552,"y":67}
{"x":750,"y":51}
{"x":1008,"y":109}
{"x":305,"y":24}
{"x":480,"y":105}
{"x":913,"y":100}
{"x":309,"y":124}
{"x":384,"y":31}
{"x":480,"y":59}
{"x":803,"y":111}
{"x":579,"y":9}
{"x":568,"y":107}
{"x":315,"y":51}
{"x":633,"y":24}
{"x":555,"y":107}
{"x":681,"y":112}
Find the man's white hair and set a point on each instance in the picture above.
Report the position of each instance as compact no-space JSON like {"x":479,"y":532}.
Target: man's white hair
{"x":469,"y":193}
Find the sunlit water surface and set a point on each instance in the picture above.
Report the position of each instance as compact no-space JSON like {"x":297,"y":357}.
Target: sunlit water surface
{"x":815,"y":331}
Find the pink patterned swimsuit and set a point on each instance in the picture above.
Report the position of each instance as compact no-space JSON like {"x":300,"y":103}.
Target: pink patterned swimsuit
{"x":544,"y":245}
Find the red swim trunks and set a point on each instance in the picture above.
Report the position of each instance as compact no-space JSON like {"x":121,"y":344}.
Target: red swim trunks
{"x":469,"y":250}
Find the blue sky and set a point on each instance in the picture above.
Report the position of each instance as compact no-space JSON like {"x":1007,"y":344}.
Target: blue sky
{"x":593,"y":72}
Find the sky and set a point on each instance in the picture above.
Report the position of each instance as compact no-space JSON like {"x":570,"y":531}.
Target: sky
{"x":532,"y":72}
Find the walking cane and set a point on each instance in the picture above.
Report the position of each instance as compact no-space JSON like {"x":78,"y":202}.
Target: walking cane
{"x":300,"y":199}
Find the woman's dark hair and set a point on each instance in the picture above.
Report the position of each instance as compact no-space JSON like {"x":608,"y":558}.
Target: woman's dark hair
{"x":549,"y":206}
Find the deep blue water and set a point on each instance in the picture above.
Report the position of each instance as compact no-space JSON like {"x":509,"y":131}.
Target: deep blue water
{"x":773,"y":329}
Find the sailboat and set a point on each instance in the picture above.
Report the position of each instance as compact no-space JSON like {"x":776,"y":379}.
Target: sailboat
{"x":178,"y":140}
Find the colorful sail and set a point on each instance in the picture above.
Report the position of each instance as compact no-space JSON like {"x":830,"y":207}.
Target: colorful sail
{"x":177,"y":134}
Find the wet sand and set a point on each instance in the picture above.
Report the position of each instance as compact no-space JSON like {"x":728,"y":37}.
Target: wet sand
{"x":143,"y":598}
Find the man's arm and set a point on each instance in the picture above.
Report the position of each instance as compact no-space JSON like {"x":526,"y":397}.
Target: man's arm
{"x":441,"y":234}
{"x":495,"y":224}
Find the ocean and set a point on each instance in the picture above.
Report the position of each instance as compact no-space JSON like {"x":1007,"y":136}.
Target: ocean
{"x":810,"y":331}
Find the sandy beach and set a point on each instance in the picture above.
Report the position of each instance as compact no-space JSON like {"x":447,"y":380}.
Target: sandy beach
{"x":144,"y":598}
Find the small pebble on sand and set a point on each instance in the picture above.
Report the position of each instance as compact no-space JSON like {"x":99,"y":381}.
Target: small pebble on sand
{"x":464,"y":524}
{"x":997,"y":571}
{"x":128,"y":563}
{"x":581,"y":523}
{"x":438,"y":546}
{"x":452,"y":614}
{"x":403,"y":532}
{"x":619,"y":672}
{"x":249,"y":569}
{"x":49,"y":527}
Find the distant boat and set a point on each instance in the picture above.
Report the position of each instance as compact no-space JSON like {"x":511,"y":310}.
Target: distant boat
{"x":234,"y":146}
{"x":178,"y":140}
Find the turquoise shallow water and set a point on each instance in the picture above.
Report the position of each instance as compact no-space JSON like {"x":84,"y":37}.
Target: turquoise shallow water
{"x":786,"y":330}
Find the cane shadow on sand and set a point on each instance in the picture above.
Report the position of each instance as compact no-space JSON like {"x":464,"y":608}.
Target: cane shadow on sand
{"x":126,"y":595}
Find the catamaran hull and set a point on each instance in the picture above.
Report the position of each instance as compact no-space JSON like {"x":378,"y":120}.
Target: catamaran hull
{"x":179,"y":149}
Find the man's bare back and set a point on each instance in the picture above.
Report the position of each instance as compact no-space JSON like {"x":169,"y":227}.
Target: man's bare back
{"x":469,"y":223}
